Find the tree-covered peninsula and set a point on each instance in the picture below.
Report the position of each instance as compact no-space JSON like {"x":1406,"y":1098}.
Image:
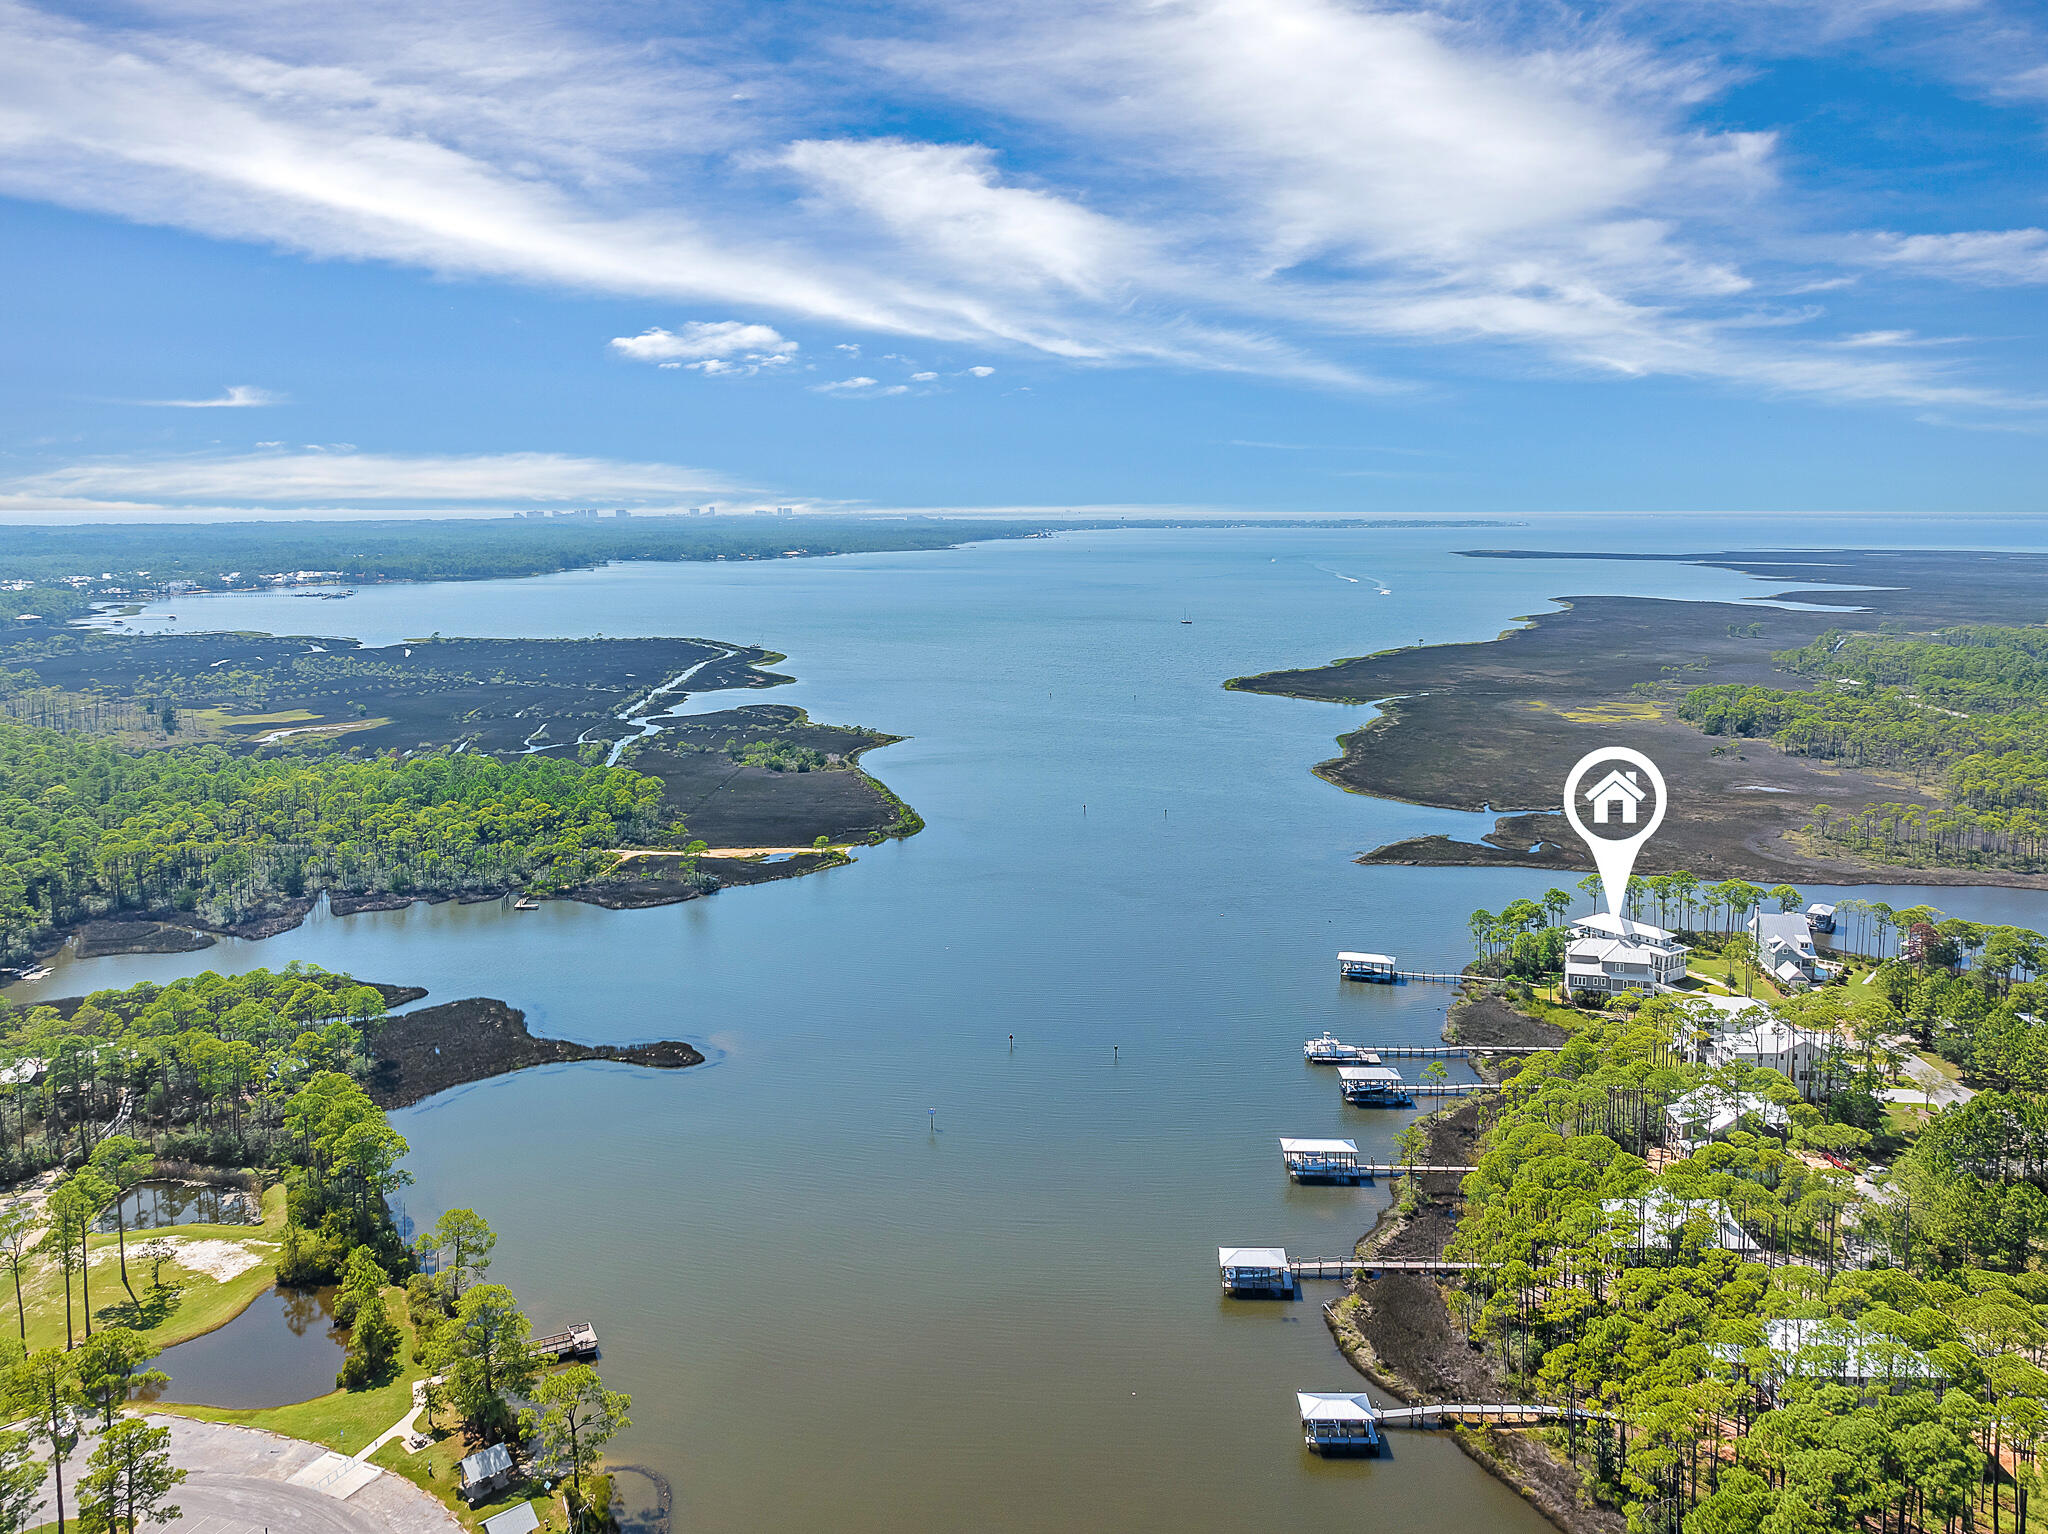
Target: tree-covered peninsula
{"x":91,"y":828}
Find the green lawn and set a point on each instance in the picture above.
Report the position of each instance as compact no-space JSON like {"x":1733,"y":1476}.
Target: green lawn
{"x":190,"y":1303}
{"x":433,"y":1469}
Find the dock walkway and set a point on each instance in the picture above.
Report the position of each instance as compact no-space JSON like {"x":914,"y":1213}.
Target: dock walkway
{"x":1498,"y":1413}
{"x":1454,"y":1051}
{"x":1346,"y":1267}
{"x":1450,"y":1089}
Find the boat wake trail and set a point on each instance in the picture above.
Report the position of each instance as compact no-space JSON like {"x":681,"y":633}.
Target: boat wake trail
{"x":1358,"y":580}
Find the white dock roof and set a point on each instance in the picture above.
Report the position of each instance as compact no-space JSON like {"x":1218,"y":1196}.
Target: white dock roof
{"x":1366,"y":958}
{"x":1251,"y":1256}
{"x":1330,"y":1406}
{"x":1383,"y":1073}
{"x":1317,"y":1147}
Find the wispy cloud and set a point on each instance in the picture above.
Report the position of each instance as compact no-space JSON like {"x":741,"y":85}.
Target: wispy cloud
{"x":861,"y":386}
{"x":1989,"y":257}
{"x":234,"y":397}
{"x":1304,"y":189}
{"x":313,"y":478}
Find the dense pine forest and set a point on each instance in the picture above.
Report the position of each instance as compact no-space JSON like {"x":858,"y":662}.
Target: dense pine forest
{"x":90,"y":828}
{"x":1964,"y":711}
{"x":205,"y":554}
{"x":1914,"y":1397}
{"x":204,"y":1067}
{"x":1831,"y":1311}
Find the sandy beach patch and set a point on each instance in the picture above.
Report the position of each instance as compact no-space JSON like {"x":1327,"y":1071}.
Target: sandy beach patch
{"x":218,"y":1259}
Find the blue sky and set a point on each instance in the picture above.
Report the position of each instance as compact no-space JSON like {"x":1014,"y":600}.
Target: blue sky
{"x":1296,"y":256}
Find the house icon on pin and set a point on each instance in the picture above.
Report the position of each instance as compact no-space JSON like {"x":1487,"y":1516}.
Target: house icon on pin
{"x":1618,"y":790}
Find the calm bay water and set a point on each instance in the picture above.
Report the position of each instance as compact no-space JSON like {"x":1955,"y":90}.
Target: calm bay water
{"x":1096,"y":966}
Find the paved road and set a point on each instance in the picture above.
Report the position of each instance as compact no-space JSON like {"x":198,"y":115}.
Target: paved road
{"x":236,"y":1483}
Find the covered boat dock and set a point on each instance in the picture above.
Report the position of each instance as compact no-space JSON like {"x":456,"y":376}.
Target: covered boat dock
{"x":1336,"y":1423}
{"x":1374,"y":1086}
{"x":1255,"y":1270}
{"x":1379,"y":968}
{"x":1321,"y":1160}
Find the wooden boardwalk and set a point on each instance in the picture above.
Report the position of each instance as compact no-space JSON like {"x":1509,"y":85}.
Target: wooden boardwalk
{"x":1408,"y":1169}
{"x":1449,"y":1089}
{"x":1496,"y":1414}
{"x":1346,"y":1267}
{"x":1453,"y":1051}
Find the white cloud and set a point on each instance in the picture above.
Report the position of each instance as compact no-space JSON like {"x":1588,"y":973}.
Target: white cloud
{"x":922,"y":377}
{"x":711,"y":346}
{"x":980,"y":372}
{"x":316,"y":478}
{"x":1990,"y":257}
{"x":948,"y":203}
{"x":234,"y":397}
{"x":1295,"y":188}
{"x":861,"y":387}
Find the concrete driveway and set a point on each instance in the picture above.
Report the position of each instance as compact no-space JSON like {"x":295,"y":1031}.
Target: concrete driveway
{"x":239,"y":1481}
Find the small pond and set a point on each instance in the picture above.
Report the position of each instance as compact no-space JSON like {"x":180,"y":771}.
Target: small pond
{"x":282,"y":1349}
{"x":150,"y":1205}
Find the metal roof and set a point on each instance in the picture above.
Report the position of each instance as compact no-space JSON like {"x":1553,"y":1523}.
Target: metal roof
{"x":1317,"y":1147}
{"x":483,"y":1464}
{"x":1251,"y":1256}
{"x":1366,"y":958}
{"x":514,"y":1520}
{"x":1617,"y":926}
{"x":1378,"y":1073}
{"x":1330,"y":1406}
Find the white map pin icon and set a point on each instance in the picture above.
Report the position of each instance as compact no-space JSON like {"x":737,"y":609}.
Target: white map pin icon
{"x":1615,"y":856}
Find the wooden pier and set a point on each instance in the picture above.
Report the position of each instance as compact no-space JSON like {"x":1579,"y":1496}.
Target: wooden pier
{"x":1449,"y":1051}
{"x":1368,"y":1170}
{"x":1348,"y":1267}
{"x":577,"y":1340}
{"x":1381,"y":1086}
{"x":1486,"y":1413}
{"x":1453,"y":1088}
{"x":1350,"y":1422}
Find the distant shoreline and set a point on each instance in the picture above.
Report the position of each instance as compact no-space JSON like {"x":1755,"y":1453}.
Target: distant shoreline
{"x":1463,"y":726}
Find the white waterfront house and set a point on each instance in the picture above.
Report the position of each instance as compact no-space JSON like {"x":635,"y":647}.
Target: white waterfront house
{"x":1612,"y":954}
{"x":1708,"y":1113}
{"x":1830,"y":1348}
{"x":1657,"y":1216}
{"x":1774,"y":1044}
{"x":1785,"y":942}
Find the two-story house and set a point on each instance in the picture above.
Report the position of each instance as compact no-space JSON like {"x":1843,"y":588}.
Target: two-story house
{"x":1613,"y":954}
{"x":1784,"y":940}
